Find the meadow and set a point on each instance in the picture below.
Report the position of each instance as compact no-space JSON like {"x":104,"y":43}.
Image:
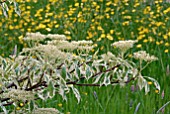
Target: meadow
{"x":103,"y":22}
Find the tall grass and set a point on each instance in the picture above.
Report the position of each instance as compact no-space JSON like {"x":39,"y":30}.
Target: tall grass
{"x":96,"y":23}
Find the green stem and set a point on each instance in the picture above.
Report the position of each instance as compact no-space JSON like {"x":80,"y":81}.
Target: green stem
{"x":140,"y":65}
{"x":146,"y":65}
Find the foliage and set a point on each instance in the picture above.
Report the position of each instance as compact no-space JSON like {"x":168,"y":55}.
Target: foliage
{"x":5,"y":7}
{"x":52,"y":65}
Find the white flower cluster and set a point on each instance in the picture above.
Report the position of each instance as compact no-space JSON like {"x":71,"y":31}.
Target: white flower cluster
{"x":82,"y":43}
{"x":51,"y":51}
{"x":56,"y":36}
{"x":39,"y":37}
{"x":70,"y":46}
{"x":17,"y":94}
{"x":142,"y":55}
{"x":34,"y":36}
{"x":46,"y":111}
{"x":124,"y":45}
{"x":63,"y":45}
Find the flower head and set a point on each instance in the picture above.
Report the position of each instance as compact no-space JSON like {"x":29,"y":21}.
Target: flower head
{"x":124,"y":45}
{"x":17,"y":94}
{"x":39,"y":37}
{"x":46,"y":111}
{"x":142,"y":55}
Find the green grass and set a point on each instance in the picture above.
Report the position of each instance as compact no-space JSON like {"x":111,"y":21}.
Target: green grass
{"x":112,"y":99}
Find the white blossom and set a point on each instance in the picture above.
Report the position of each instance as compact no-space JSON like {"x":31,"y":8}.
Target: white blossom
{"x":142,"y":55}
{"x":17,"y":94}
{"x":124,"y":45}
{"x":39,"y":37}
{"x":46,"y":111}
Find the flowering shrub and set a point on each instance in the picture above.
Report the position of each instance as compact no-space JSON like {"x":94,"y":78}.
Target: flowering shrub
{"x":52,"y":65}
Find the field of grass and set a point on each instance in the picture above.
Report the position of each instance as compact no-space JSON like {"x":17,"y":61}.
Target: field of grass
{"x":103,"y":22}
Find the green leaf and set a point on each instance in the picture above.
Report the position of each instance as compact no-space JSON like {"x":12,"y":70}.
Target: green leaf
{"x":4,"y":5}
{"x":3,"y":108}
{"x":68,"y":76}
{"x":147,"y":89}
{"x":155,"y":82}
{"x":4,"y":63}
{"x":63,"y":72}
{"x":62,"y":92}
{"x":31,"y":106}
{"x":98,"y":78}
{"x":106,"y":80}
{"x":51,"y":89}
{"x":78,"y":74}
{"x":4,"y":12}
{"x":88,"y":72}
{"x":76,"y":93}
{"x":17,"y":10}
{"x":141,"y":82}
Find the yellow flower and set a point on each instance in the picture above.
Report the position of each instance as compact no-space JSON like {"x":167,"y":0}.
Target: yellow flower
{"x":139,"y":46}
{"x":68,"y":37}
{"x":11,"y":27}
{"x":83,"y":0}
{"x":18,"y":108}
{"x":85,"y":93}
{"x":103,"y":35}
{"x":150,"y":83}
{"x":20,"y":38}
{"x":133,"y":10}
{"x":125,"y":23}
{"x":156,"y":91}
{"x":48,"y":29}
{"x":167,"y":44}
{"x":165,"y":37}
{"x":94,"y":3}
{"x":67,"y":32}
{"x":101,"y":48}
{"x":21,"y":104}
{"x":108,"y":3}
{"x":112,"y":12}
{"x":159,"y":24}
{"x":145,"y":40}
{"x":166,"y":51}
{"x":157,"y":43}
{"x":92,"y":50}
{"x":127,"y":17}
{"x":60,"y":105}
{"x":10,"y":38}
{"x":90,"y":35}
{"x":150,"y":39}
{"x":99,"y":28}
{"x":130,"y":55}
{"x":111,"y":31}
{"x":109,"y":37}
{"x":42,"y":26}
{"x":95,"y":45}
{"x":56,"y":26}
